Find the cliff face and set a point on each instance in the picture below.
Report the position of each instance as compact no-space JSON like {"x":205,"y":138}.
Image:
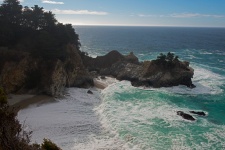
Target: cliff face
{"x":21,"y":73}
{"x":13,"y":68}
{"x":153,"y":73}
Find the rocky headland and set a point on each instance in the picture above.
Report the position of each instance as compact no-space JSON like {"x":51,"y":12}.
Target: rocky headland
{"x":21,"y":73}
{"x":165,"y":71}
{"x":45,"y":57}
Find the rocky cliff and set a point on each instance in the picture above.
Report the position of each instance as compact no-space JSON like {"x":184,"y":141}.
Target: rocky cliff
{"x":155,"y":73}
{"x":22,"y":73}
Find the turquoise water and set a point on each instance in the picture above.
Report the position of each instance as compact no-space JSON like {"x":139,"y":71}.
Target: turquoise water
{"x":123,"y":117}
{"x":145,"y":118}
{"x":148,"y":116}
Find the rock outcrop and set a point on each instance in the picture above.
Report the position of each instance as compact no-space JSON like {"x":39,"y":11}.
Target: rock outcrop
{"x":155,"y":73}
{"x":96,"y":64}
{"x":22,"y":73}
{"x":185,"y":116}
{"x":199,"y":113}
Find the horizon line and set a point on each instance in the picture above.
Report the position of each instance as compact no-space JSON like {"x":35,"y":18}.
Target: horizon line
{"x":124,"y":25}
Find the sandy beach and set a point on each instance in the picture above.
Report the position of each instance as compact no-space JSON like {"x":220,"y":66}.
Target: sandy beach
{"x":25,"y":100}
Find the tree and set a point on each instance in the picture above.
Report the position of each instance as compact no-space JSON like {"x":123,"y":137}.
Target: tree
{"x":11,"y":12}
{"x":37,"y":17}
{"x":34,"y":30}
{"x":10,"y":21}
{"x":170,"y":57}
{"x":27,"y":17}
{"x":169,"y":60}
{"x":161,"y":57}
{"x":176,"y":59}
{"x":49,"y":21}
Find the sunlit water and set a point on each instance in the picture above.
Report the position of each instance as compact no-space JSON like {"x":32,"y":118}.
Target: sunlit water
{"x":125,"y":117}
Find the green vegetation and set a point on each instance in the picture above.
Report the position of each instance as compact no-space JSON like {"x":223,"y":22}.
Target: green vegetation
{"x":48,"y":145}
{"x":169,"y":60}
{"x":34,"y":30}
{"x":170,"y":57}
{"x":12,"y":135}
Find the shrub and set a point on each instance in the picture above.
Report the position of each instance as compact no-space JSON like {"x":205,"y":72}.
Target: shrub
{"x":49,"y":145}
{"x":169,"y":60}
{"x":12,"y":135}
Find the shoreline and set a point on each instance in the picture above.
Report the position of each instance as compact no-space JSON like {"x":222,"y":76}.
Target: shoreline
{"x":18,"y":102}
{"x":23,"y":101}
{"x":73,"y":116}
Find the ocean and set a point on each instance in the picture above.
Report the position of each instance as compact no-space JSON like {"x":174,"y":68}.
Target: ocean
{"x":122,"y":117}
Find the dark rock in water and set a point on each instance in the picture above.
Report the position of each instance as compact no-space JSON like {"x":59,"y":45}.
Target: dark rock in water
{"x":200,"y":113}
{"x":191,"y":86}
{"x":103,"y":77}
{"x":89,"y":92}
{"x":185,"y":116}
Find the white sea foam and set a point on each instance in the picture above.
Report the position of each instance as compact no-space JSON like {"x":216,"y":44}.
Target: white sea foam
{"x":106,"y":81}
{"x":132,"y":115}
{"x":206,"y":53}
{"x":206,"y":82}
{"x":127,"y":118}
{"x":145,"y":120}
{"x":73,"y":123}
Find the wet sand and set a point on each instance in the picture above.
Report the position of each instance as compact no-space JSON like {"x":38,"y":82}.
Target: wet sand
{"x":25,"y":100}
{"x":22,"y":101}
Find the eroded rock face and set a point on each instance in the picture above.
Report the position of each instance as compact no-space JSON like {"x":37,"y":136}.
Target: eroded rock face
{"x":150,"y":73}
{"x":13,"y":72}
{"x":21,"y":73}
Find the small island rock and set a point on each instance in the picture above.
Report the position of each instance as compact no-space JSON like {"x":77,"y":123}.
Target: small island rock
{"x":185,"y":116}
{"x":165,"y":71}
{"x":200,"y":113}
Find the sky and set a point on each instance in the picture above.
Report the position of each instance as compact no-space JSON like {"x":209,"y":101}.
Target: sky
{"x":194,"y":13}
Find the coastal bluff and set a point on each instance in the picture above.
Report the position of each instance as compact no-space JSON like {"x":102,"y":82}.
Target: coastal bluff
{"x":161,"y":72}
{"x":21,"y":73}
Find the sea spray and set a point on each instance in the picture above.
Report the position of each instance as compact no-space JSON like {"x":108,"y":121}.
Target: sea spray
{"x":149,"y":119}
